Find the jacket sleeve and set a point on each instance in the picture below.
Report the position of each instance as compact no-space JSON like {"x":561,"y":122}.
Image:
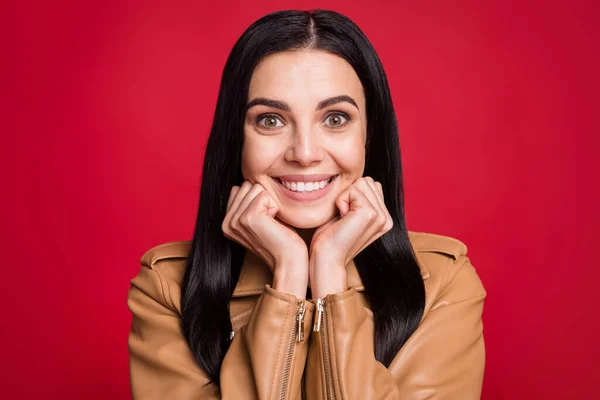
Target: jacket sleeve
{"x":443,"y":359}
{"x":264,"y":358}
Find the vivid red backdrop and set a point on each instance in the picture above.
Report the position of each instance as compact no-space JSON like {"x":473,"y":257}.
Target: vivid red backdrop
{"x":498,"y":108}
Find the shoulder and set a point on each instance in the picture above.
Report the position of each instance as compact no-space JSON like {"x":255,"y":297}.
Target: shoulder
{"x":447,"y":270}
{"x":434,"y":243}
{"x":162,"y":270}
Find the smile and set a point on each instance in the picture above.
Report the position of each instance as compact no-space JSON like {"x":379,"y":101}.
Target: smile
{"x":305,"y":188}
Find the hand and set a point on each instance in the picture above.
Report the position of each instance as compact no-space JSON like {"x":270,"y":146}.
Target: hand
{"x":250,"y":221}
{"x":363,"y":219}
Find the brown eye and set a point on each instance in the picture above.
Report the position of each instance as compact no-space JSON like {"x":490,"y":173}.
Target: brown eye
{"x":337,"y":120}
{"x":270,"y":121}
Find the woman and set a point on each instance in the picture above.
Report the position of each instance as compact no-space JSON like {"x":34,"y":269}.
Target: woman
{"x":301,"y":280}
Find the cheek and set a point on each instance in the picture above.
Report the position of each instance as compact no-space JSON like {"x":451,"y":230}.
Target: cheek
{"x":250,"y":164}
{"x":257,"y":157}
{"x":351,"y":158}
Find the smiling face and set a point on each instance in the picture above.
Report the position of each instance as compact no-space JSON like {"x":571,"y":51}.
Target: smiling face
{"x":306,"y":123}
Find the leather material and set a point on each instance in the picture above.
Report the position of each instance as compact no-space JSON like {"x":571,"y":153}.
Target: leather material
{"x":444,"y":358}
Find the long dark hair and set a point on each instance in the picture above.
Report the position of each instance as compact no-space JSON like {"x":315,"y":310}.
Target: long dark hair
{"x":388,"y":268}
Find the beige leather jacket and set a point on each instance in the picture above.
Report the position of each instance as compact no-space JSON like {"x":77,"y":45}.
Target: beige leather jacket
{"x":283,"y":348}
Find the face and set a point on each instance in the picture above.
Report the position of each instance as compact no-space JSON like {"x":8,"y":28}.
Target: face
{"x":304,"y":133}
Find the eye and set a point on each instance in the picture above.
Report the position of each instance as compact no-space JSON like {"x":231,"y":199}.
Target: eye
{"x":270,"y":121}
{"x":337,"y":119}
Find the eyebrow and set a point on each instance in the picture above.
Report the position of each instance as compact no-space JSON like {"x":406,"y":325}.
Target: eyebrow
{"x":282,"y":105}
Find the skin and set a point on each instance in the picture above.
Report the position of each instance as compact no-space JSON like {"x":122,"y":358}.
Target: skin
{"x":306,"y":241}
{"x":305,"y":141}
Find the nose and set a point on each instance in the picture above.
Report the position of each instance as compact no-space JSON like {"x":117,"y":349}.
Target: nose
{"x":306,"y":146}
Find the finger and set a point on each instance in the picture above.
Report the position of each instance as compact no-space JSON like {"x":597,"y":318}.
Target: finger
{"x":227,"y":225}
{"x":232,"y":193}
{"x":374,"y":229}
{"x":250,"y":195}
{"x":351,"y":199}
{"x":385,"y":222}
{"x":379,"y":191}
{"x":239,"y":196}
{"x":389,"y":216}
{"x":239,"y":239}
{"x":376,"y":193}
{"x":261,"y":203}
{"x":258,"y":209}
{"x":381,"y":196}
{"x":379,"y":188}
{"x":356,"y":202}
{"x":230,"y":234}
{"x":364,"y":186}
{"x":376,"y":234}
{"x":263,"y":230}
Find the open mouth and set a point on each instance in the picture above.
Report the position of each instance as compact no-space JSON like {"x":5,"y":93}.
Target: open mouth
{"x":306,"y":187}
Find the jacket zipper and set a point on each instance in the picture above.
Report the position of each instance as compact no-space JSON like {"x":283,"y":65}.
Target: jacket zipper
{"x":297,"y":335}
{"x":321,"y":328}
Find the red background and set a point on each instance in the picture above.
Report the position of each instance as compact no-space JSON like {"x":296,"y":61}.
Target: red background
{"x":109,"y":107}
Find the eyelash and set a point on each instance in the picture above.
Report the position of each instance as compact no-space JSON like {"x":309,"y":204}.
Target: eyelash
{"x":343,"y":114}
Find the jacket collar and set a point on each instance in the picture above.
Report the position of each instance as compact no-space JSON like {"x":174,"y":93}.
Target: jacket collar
{"x":255,"y":273}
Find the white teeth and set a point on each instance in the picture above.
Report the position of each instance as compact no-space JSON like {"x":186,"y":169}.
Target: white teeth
{"x":306,"y":186}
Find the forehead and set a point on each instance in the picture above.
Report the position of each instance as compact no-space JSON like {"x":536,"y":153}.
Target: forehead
{"x":305,"y":76}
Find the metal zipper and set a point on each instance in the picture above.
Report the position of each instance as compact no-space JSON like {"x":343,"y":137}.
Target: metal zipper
{"x":297,"y":335}
{"x":321,"y":328}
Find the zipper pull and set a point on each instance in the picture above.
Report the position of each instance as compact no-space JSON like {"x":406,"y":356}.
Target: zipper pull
{"x":300,"y":320}
{"x":317,"y":325}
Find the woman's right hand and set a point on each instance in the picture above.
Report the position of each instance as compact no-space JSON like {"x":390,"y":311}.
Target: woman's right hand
{"x":250,"y":221}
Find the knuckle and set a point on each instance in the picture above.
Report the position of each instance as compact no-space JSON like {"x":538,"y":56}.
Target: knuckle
{"x":360,"y":186}
{"x":247,"y":219}
{"x":235,"y":227}
{"x":371,"y":214}
{"x":244,"y":220}
{"x":227,"y":231}
{"x":389,"y":224}
{"x":246,"y":185}
{"x":263,"y":194}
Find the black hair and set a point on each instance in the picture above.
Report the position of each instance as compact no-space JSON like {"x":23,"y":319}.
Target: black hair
{"x":388,"y":267}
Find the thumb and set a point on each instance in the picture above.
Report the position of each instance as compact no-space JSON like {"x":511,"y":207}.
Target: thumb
{"x":349,"y":200}
{"x":269,"y":206}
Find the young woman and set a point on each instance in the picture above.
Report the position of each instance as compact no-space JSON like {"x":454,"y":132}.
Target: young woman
{"x":301,"y":280}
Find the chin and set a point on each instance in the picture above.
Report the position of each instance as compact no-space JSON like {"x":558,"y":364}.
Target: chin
{"x":308,"y":219}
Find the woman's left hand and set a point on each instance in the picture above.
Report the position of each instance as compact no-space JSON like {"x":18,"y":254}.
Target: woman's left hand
{"x":363,"y":219}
